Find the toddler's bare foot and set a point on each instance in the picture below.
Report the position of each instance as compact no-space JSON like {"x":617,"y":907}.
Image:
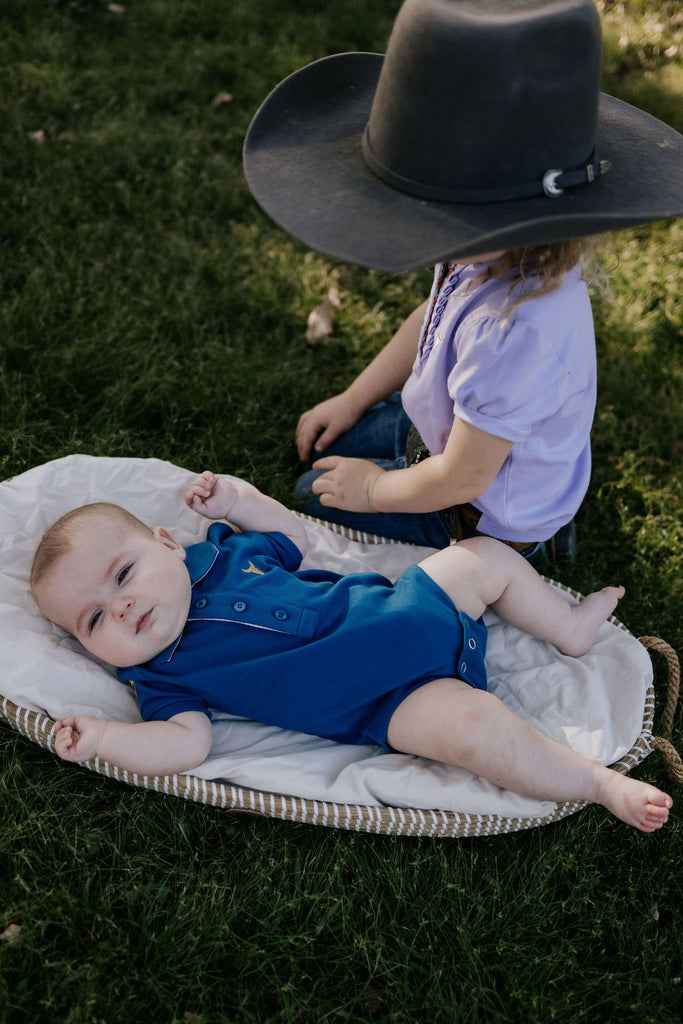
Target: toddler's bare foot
{"x":636,"y":803}
{"x":586,"y":619}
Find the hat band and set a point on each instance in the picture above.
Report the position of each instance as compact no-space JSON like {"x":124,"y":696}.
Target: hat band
{"x":552,"y":184}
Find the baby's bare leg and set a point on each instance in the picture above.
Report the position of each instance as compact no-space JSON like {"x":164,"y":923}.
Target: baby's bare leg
{"x":447,"y":720}
{"x":482,"y":572}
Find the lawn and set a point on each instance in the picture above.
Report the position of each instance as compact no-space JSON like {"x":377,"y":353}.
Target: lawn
{"x":149,"y":308}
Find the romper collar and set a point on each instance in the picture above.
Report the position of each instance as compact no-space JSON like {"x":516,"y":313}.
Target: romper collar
{"x":199,"y":558}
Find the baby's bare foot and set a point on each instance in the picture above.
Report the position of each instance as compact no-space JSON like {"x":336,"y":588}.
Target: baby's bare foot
{"x":636,"y":803}
{"x":586,"y":619}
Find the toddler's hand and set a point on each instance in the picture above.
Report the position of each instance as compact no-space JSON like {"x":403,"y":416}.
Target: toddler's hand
{"x":211,"y":496}
{"x":324,"y":423}
{"x":347,"y":483}
{"x":76,"y":738}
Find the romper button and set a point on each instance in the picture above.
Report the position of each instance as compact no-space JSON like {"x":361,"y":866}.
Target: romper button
{"x":201,"y":603}
{"x":472,"y":643}
{"x":280,"y":614}
{"x":463,"y":667}
{"x":239,"y":606}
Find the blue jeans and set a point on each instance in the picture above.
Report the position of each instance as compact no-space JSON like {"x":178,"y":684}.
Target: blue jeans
{"x":380,"y":436}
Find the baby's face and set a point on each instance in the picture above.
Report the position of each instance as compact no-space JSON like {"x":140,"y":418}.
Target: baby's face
{"x":123,"y":594}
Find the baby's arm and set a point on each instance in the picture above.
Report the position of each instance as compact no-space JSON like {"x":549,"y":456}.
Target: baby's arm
{"x":216,"y":497}
{"x":149,"y":748}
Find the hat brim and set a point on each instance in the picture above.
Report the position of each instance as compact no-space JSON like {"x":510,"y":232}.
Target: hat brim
{"x":304,"y":165}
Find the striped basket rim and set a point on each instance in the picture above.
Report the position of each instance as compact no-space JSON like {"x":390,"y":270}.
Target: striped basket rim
{"x":38,"y":727}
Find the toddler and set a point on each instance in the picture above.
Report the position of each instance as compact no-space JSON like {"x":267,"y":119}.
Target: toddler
{"x":480,"y":145}
{"x":233,"y":623}
{"x":498,"y":372}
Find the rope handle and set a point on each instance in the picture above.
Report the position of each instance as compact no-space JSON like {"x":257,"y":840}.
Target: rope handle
{"x":672,"y":758}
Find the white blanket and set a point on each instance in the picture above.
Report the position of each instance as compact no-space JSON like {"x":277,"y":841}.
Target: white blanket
{"x":594,"y":704}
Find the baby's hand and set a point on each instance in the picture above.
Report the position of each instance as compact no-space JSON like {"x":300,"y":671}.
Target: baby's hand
{"x":76,"y":738}
{"x":211,"y":496}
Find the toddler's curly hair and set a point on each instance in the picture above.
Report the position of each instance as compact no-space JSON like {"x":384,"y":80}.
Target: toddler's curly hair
{"x":543,"y":266}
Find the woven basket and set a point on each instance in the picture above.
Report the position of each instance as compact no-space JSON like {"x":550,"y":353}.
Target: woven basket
{"x":101,"y":479}
{"x":398,"y":821}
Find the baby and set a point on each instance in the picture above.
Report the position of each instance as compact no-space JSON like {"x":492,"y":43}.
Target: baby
{"x":233,"y":623}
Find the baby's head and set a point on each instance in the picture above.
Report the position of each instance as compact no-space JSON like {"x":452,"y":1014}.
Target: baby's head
{"x":118,"y":587}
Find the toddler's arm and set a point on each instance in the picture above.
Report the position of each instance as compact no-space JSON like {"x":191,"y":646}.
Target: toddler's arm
{"x":389,"y":370}
{"x":464,"y":470}
{"x":148,"y":748}
{"x":216,"y":497}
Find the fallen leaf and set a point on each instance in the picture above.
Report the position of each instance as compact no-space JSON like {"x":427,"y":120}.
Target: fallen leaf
{"x":654,"y":912}
{"x":11,"y":933}
{"x":372,"y":1000}
{"x":39,"y":136}
{"x":221,"y":98}
{"x":116,"y":9}
{"x":319,"y":323}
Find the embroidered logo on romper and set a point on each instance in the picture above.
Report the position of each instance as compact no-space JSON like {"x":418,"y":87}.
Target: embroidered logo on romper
{"x":252,"y":568}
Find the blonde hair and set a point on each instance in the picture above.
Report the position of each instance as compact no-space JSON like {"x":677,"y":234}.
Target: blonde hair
{"x":58,"y":539}
{"x":543,"y":266}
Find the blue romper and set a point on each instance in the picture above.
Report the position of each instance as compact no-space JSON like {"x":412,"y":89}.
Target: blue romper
{"x":307,"y":650}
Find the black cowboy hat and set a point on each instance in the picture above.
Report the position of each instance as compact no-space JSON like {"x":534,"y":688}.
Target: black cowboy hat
{"x":483,"y":128}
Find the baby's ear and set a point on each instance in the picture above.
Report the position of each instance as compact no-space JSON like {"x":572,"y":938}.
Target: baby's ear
{"x":168,"y":540}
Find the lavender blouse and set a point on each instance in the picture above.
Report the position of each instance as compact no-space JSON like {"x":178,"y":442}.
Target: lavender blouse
{"x":528,"y":377}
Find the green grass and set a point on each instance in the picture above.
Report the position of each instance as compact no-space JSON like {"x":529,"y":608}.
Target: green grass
{"x":148,"y":308}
